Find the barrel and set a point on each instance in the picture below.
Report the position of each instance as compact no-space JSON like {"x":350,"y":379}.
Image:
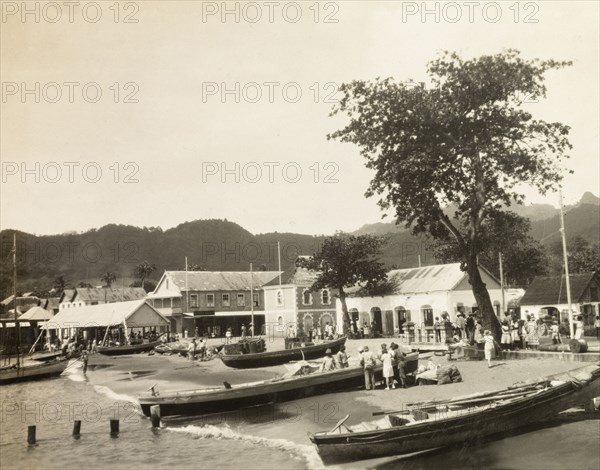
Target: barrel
{"x":252,"y":347}
{"x":578,"y":346}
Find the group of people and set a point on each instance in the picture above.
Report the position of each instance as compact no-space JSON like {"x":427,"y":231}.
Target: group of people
{"x":334,"y":361}
{"x":392,"y":359}
{"x":197,"y":346}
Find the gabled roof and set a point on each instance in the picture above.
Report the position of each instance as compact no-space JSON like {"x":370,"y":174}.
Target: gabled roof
{"x":295,"y":275}
{"x":99,"y":294}
{"x":51,"y":303}
{"x":435,"y":278}
{"x":103,"y":315}
{"x":553,"y":289}
{"x":67,"y":295}
{"x":217,"y":280}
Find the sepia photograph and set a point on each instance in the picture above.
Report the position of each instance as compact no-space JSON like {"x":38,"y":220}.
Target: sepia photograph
{"x":311,"y":234}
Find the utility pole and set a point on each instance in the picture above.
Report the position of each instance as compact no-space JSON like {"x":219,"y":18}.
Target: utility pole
{"x":17,"y":328}
{"x":564,"y":244}
{"x":251,"y":301}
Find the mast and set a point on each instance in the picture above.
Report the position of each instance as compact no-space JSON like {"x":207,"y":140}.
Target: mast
{"x":502,"y":283}
{"x":17,"y":328}
{"x":187,"y":291}
{"x":251,"y":301}
{"x":564,"y":244}
{"x":279,"y":262}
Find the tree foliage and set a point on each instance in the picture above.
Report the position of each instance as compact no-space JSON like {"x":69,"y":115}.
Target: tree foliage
{"x":523,"y":257}
{"x":60,"y":284}
{"x":345,"y":261}
{"x":144,"y":270}
{"x":583,"y":256}
{"x":464,"y":141}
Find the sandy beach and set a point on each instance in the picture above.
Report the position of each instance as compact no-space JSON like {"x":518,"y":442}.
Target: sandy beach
{"x":135,"y":374}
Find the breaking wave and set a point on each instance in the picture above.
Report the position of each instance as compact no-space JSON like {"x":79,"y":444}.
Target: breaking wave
{"x":304,"y":452}
{"x":107,"y":392}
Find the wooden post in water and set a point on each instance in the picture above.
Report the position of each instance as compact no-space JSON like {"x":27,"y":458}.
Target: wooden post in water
{"x":31,"y":435}
{"x":155,"y":415}
{"x":114,"y":427}
{"x":77,"y":429}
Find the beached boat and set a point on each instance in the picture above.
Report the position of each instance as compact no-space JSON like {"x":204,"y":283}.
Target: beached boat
{"x":9,"y":375}
{"x":127,"y":349}
{"x":44,"y":356}
{"x":180,"y":348}
{"x":429,"y":425}
{"x":300,"y":382}
{"x":275,"y":358}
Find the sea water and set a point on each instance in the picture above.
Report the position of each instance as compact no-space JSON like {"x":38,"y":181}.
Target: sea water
{"x":270,"y":437}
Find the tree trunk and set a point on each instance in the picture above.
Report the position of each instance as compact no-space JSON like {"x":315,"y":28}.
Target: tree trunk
{"x":482,"y":297}
{"x":345,"y":316}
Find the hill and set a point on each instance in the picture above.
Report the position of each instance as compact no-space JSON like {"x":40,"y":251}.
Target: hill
{"x":222,"y":245}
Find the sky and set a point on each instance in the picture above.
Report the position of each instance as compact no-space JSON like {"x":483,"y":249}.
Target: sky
{"x":153,"y":113}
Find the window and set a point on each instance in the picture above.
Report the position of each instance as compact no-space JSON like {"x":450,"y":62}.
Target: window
{"x":256,"y":300}
{"x":225,"y":300}
{"x":194,"y":301}
{"x":279,"y":297}
{"x":325,"y":298}
{"x":280,"y":322}
{"x":210,"y":300}
{"x":241,"y":300}
{"x":427,"y":315}
{"x":306,"y":297}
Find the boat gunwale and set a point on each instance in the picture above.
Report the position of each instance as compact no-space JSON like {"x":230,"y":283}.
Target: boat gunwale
{"x":549,"y":393}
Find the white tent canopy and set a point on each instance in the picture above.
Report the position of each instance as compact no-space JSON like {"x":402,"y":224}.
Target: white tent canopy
{"x":136,"y":314}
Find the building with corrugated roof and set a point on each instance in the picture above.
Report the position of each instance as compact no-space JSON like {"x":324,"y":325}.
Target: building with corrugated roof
{"x":212,"y":301}
{"x":82,"y":296}
{"x":547,"y":295}
{"x":419,"y":295}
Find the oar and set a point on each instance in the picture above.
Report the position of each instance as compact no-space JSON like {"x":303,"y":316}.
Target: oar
{"x":339,"y":423}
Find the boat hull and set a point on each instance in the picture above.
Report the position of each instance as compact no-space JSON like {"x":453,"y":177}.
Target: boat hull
{"x":473,"y":426}
{"x":123,"y":350}
{"x":270,"y":391}
{"x":35,"y":372}
{"x":275,"y":358}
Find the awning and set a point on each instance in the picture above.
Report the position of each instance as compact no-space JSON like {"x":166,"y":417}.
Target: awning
{"x":12,"y":325}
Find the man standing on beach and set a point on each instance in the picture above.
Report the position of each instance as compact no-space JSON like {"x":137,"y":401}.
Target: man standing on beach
{"x":367,"y":361}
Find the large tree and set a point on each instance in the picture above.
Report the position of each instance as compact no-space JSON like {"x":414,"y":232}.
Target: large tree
{"x":465,"y":140}
{"x":345,"y":261}
{"x":506,"y":233}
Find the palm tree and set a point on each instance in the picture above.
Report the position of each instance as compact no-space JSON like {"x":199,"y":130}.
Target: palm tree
{"x":143,"y":270}
{"x":108,"y":278}
{"x":60,"y":284}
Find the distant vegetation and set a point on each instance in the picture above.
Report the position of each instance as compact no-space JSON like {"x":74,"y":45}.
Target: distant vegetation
{"x":69,"y":260}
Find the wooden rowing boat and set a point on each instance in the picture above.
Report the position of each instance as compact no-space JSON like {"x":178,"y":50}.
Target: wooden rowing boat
{"x":275,"y":358}
{"x":31,"y":372}
{"x":426,"y":426}
{"x":217,"y":400}
{"x":127,"y":349}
